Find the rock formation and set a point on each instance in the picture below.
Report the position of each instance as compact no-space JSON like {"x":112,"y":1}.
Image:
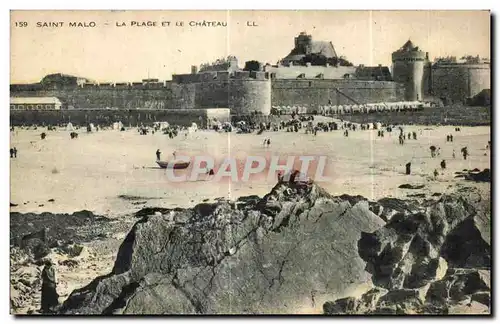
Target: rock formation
{"x":291,"y":249}
{"x":429,"y":260}
{"x":37,"y":238}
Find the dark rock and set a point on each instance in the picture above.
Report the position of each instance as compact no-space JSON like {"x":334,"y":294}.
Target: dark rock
{"x":475,"y":175}
{"x":38,"y":233}
{"x":224,"y":259}
{"x":148,"y":211}
{"x":411,"y":186}
{"x":468,"y":244}
{"x":407,"y":300}
{"x":353,"y":200}
{"x":13,"y":205}
{"x":386,"y":310}
{"x":482,"y":297}
{"x":68,"y":263}
{"x":346,"y":305}
{"x":392,"y":206}
{"x":368,"y":301}
{"x":458,"y":285}
{"x":417,"y":195}
{"x":406,"y":252}
{"x":51,"y":200}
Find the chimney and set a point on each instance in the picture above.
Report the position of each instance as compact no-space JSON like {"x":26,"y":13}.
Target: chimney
{"x":427,"y":55}
{"x":194,"y":69}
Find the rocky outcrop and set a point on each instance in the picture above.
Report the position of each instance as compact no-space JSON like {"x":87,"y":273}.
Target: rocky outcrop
{"x":254,"y":255}
{"x":34,"y":238}
{"x":411,"y":186}
{"x":38,"y":233}
{"x":475,"y":175}
{"x":428,"y":260}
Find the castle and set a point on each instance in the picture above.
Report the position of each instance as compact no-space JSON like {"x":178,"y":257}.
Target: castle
{"x":311,"y":75}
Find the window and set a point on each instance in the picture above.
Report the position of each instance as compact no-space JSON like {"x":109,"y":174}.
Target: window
{"x":12,"y":106}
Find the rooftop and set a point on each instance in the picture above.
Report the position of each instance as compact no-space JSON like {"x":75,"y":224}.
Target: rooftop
{"x":409,"y":47}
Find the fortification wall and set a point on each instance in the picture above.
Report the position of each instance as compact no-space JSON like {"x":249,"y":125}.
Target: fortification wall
{"x":107,"y":117}
{"x":427,"y":82}
{"x":124,"y":96}
{"x":314,"y":93}
{"x":311,"y":72}
{"x":460,"y":82}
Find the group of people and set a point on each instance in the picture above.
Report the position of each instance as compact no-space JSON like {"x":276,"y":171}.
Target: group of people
{"x":402,"y":136}
{"x":158,"y":155}
{"x":13,"y":152}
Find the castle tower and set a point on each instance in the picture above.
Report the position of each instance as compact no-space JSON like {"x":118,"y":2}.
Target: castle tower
{"x":303,"y":43}
{"x":408,"y":68}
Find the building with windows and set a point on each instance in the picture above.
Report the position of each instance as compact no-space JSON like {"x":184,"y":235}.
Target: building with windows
{"x":35,"y":103}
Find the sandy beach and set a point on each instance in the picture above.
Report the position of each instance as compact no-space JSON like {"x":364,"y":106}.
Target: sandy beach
{"x":114,"y":173}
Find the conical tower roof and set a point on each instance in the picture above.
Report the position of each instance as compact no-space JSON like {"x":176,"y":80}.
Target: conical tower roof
{"x":408,"y":47}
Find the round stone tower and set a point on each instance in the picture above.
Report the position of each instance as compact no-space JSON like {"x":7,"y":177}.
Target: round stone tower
{"x":250,"y":93}
{"x":408,"y":68}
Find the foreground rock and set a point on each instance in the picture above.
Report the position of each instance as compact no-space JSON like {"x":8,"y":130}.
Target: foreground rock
{"x":291,"y":249}
{"x":36,"y":234}
{"x":475,"y":175}
{"x":428,"y":261}
{"x":71,"y":241}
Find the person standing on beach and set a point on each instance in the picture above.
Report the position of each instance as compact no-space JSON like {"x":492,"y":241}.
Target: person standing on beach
{"x":50,"y":297}
{"x":464,"y":153}
{"x":433,"y":151}
{"x":11,"y":153}
{"x":443,"y":164}
{"x":158,"y":154}
{"x":408,"y":168}
{"x":15,"y":152}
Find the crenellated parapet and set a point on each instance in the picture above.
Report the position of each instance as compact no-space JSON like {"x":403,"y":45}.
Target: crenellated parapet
{"x":217,"y":76}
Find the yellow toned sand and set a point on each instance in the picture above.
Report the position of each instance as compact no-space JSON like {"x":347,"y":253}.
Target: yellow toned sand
{"x":92,"y":171}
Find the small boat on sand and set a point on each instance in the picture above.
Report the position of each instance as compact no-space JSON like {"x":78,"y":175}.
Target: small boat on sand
{"x":171,"y":165}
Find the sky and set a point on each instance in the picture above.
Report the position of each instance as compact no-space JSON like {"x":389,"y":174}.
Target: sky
{"x":109,"y":53}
